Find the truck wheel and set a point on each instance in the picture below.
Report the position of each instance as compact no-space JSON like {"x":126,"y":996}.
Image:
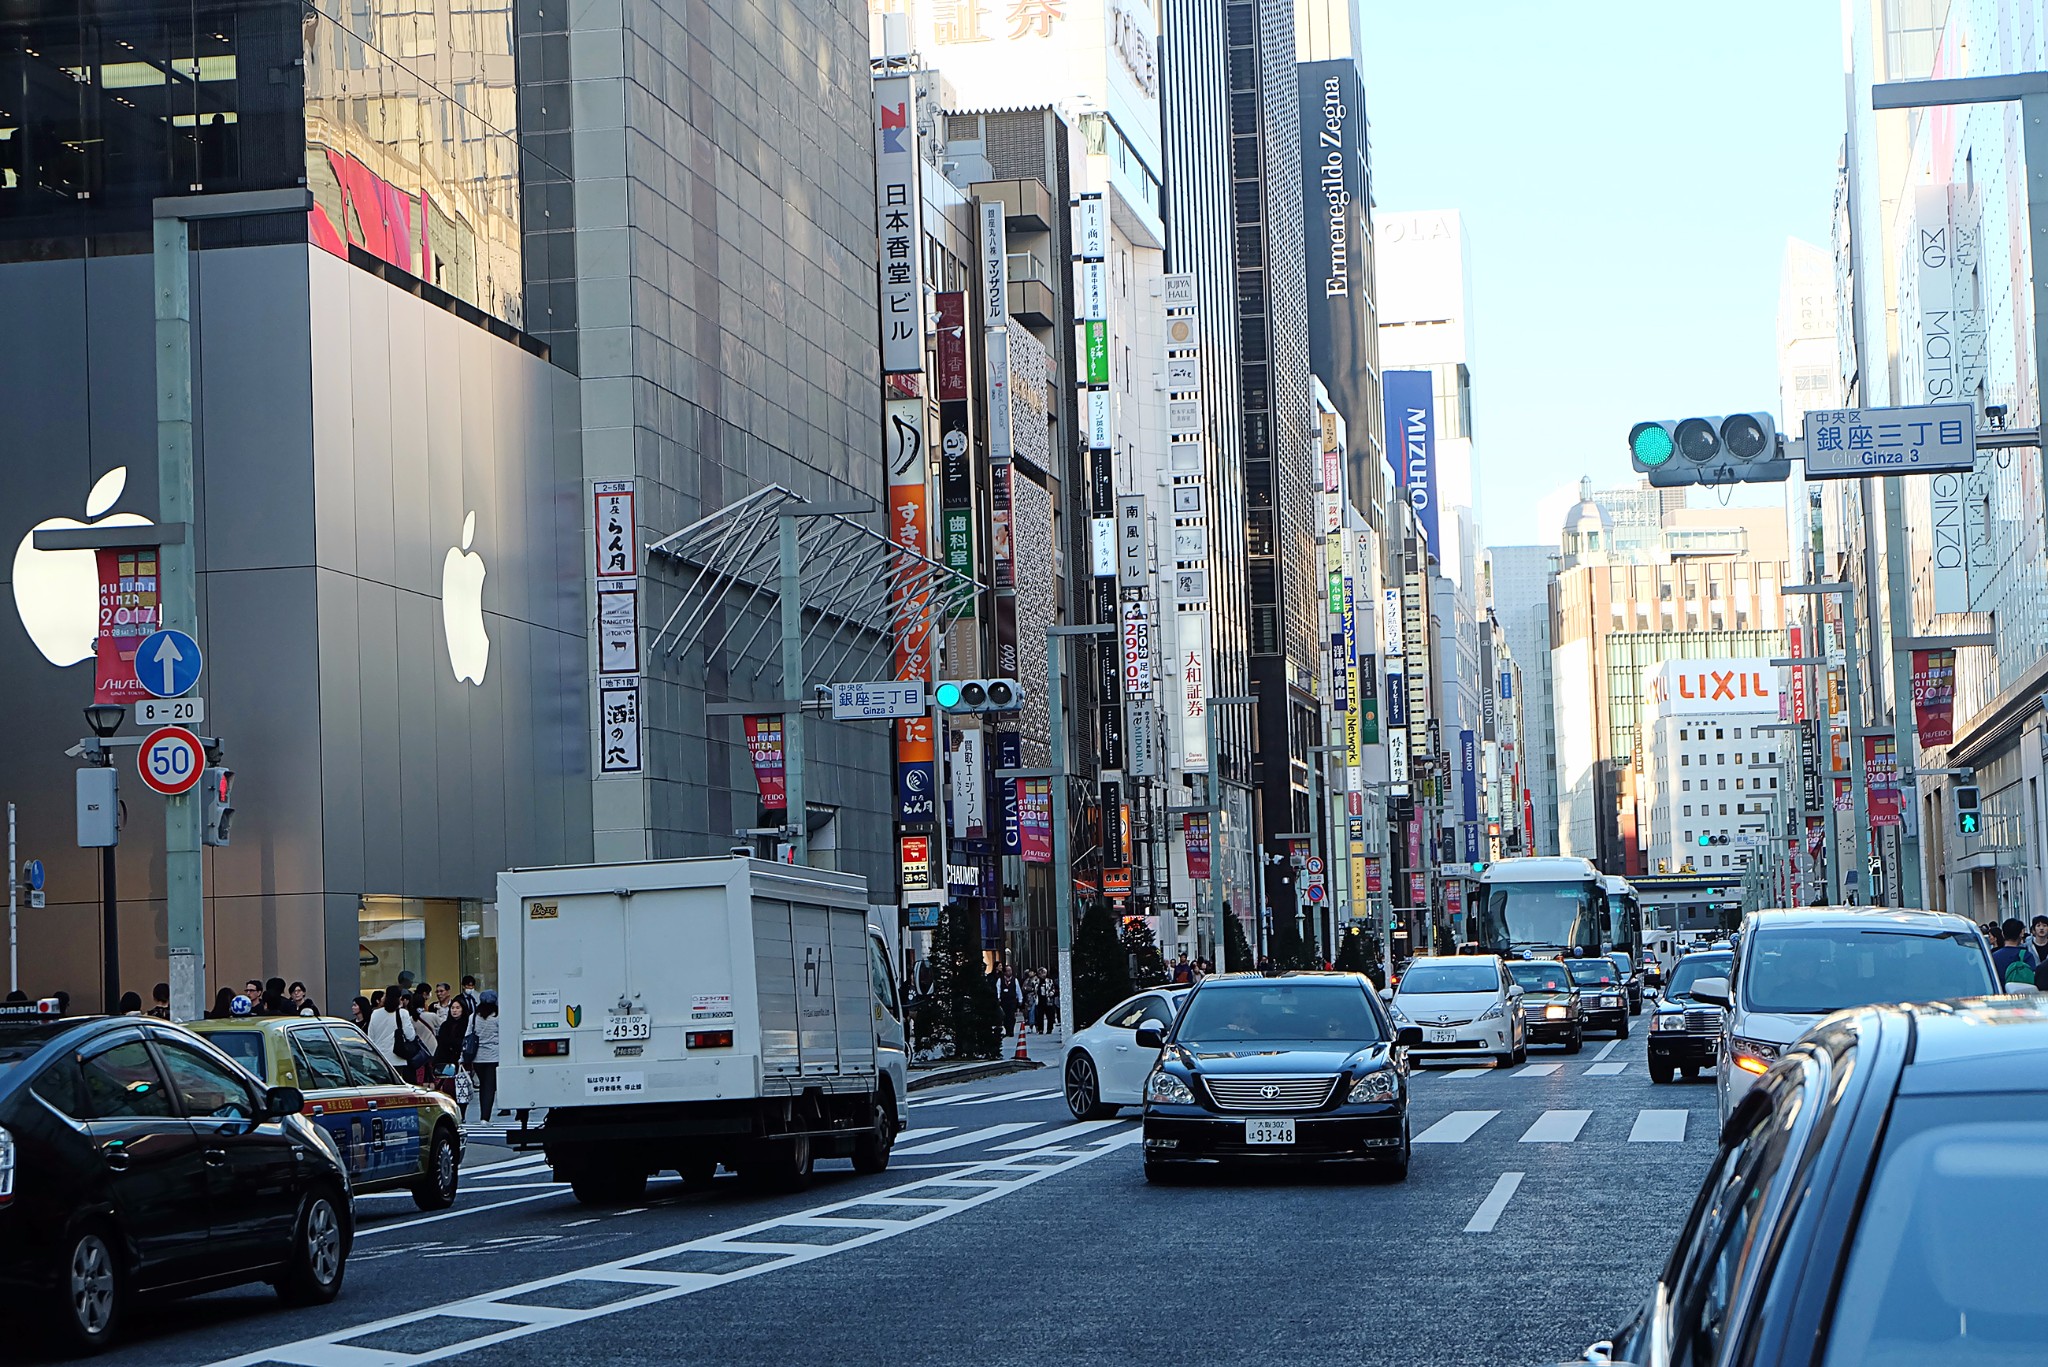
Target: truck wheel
{"x":608,"y":1188}
{"x":1661,"y":1070}
{"x":780,"y":1165}
{"x":871,"y":1150}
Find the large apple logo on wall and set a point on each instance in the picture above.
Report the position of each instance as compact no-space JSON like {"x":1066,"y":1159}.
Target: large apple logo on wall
{"x":57,"y":593}
{"x":462,"y":608}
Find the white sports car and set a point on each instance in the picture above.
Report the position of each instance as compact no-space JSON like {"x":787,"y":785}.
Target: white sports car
{"x":1104,"y":1067}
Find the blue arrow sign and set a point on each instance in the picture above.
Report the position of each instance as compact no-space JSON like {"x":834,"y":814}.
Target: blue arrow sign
{"x":168,"y":663}
{"x":32,"y":874}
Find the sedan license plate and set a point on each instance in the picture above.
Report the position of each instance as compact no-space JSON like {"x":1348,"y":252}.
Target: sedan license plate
{"x":1443,"y":1037}
{"x":1269,"y":1131}
{"x":627,"y":1027}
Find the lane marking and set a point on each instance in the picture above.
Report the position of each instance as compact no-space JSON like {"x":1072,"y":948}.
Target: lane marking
{"x":918,"y":1100}
{"x":517,"y":1311}
{"x":1601,"y":1057}
{"x":1607,"y":1069}
{"x":1468,"y":1072}
{"x":457,"y":1213}
{"x":1488,"y":1215}
{"x":1060,"y":1136}
{"x":1556,"y":1127}
{"x":1659,"y":1127}
{"x":1011,"y":1096}
{"x":1539,"y":1070}
{"x":1455,"y":1128}
{"x":971,"y":1137}
{"x":924,"y":1132}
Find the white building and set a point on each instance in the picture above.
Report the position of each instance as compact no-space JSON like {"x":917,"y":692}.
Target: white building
{"x":1704,"y":785}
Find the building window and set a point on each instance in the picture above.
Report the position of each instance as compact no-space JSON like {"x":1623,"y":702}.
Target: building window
{"x":1684,"y":784}
{"x":1688,"y":806}
{"x":1774,"y":777}
{"x":1724,"y":807}
{"x":1738,"y":730}
{"x":1738,"y":782}
{"x":1718,"y":759}
{"x":1724,"y":782}
{"x":1683,"y":762}
{"x":1681,"y":735}
{"x":1688,"y":834}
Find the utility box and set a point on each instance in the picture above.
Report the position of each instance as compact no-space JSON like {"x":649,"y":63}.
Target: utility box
{"x":99,"y":808}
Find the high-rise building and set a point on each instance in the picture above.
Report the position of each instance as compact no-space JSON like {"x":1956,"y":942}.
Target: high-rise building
{"x":1711,"y":791}
{"x":1519,"y":572}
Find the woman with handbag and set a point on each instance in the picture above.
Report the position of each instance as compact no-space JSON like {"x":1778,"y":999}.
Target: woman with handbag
{"x":391,"y":1031}
{"x":483,"y":1033}
{"x":448,"y":1047}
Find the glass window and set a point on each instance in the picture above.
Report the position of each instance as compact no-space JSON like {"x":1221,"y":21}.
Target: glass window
{"x":1815,"y":970}
{"x":63,"y":1087}
{"x":366,"y":1066}
{"x":1283,"y":1010}
{"x":123,"y":1082}
{"x":883,"y":983}
{"x":208,"y":1088}
{"x":317,"y":1061}
{"x":244,"y":1047}
{"x":1137,"y":1011}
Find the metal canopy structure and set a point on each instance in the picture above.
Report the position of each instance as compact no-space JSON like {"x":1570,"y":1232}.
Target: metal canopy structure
{"x":858,"y":594}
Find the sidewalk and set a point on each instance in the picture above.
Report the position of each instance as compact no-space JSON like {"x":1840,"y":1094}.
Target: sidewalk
{"x":1041,"y":1051}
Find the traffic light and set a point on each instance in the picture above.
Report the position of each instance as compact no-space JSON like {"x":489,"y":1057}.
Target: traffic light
{"x":979,"y":695}
{"x":1731,"y":449}
{"x":216,"y":812}
{"x":1968,"y":818}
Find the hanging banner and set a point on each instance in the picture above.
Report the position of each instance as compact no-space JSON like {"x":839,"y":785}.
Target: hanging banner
{"x":970,"y":785}
{"x":1191,"y":672}
{"x":618,"y":710}
{"x":764,"y":744}
{"x":1881,"y":779}
{"x":1375,"y":878}
{"x":618,"y":554}
{"x":1195,"y":834}
{"x":1798,"y":688}
{"x":1418,"y":890}
{"x":1034,"y":819}
{"x":1934,"y":696}
{"x":129,"y":611}
{"x":1137,"y":649}
{"x":897,"y":206}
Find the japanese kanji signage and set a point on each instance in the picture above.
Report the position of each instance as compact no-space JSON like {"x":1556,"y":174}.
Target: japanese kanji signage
{"x":896,"y":223}
{"x":1848,"y":443}
{"x":619,"y":726}
{"x":618,"y":554}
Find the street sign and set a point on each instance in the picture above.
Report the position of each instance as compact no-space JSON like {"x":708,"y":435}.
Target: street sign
{"x":32,"y":875}
{"x":1315,"y":892}
{"x":170,"y":711}
{"x":883,"y":701}
{"x":170,"y":759}
{"x":1848,"y":443}
{"x":168,"y":663}
{"x":1116,"y":883}
{"x":1314,"y":864}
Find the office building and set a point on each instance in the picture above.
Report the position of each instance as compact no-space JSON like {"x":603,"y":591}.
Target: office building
{"x":1706,"y":795}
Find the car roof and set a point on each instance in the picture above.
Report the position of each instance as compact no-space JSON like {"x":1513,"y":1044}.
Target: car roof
{"x":1454,"y":959}
{"x":1984,"y":1044}
{"x":1903,"y":918}
{"x":269,"y":1024}
{"x":1706,"y":954}
{"x":1227,"y":979}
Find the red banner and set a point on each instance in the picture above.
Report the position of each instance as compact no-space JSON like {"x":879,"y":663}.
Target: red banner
{"x":1934,"y":696}
{"x":1195,"y":831}
{"x":1374,"y":881}
{"x":764,"y":743}
{"x":129,"y":611}
{"x":1034,"y":819}
{"x":1418,"y":889}
{"x":1798,"y":689}
{"x":1881,"y":779}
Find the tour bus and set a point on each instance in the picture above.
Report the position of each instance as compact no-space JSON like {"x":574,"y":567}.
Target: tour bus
{"x":1541,"y":907}
{"x":1624,"y":918}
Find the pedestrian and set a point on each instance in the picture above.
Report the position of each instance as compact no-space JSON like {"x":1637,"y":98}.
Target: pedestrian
{"x":390,"y":1029}
{"x":448,"y":1075}
{"x":2037,"y":950}
{"x":359,"y":1012}
{"x":1182,"y":969}
{"x":276,"y":1001}
{"x":160,"y":998}
{"x":131,"y":1003}
{"x":1009,"y":999}
{"x":253,"y":990}
{"x":301,"y":1004}
{"x":223,"y":1002}
{"x":425,"y":1033}
{"x":434,"y":1004}
{"x":1048,"y":1004}
{"x":484,"y":1062}
{"x":376,"y":999}
{"x":2009,"y":960}
{"x":1031,"y":988}
{"x":472,"y":998}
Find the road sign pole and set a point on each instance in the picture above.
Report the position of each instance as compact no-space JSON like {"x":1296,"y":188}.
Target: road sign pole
{"x":796,"y":810}
{"x":13,"y":905}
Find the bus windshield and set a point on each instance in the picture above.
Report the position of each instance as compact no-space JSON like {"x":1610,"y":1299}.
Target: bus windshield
{"x":1515,"y":918}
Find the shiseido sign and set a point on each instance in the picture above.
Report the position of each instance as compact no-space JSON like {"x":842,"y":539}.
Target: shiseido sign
{"x":1710,"y":686}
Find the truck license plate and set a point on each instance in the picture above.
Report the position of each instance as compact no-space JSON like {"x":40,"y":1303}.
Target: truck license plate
{"x":1269,"y":1131}
{"x":627,"y":1027}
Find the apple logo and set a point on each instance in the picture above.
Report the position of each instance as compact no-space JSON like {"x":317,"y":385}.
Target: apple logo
{"x":57,"y":593}
{"x":462,"y":608}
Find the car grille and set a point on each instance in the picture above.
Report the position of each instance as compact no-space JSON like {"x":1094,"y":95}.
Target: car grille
{"x":1443,"y":1022}
{"x":1286,"y":1093}
{"x":1703,"y":1020}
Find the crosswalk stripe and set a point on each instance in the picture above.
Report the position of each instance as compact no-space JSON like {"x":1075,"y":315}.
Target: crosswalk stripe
{"x":1539,"y":1070}
{"x":971,"y":1137}
{"x":1059,"y":1136}
{"x":1556,"y":1127}
{"x":1601,"y":1057}
{"x":1011,"y":1096}
{"x":925,"y":1132}
{"x":948,"y":1100}
{"x":1606,"y":1069}
{"x":1659,"y":1127}
{"x":1455,"y":1128}
{"x":1468,"y":1072}
{"x":1488,"y":1215}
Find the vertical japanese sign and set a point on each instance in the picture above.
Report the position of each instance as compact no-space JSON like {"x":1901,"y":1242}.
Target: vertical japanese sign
{"x":970,"y":785}
{"x":897,"y":212}
{"x":617,"y":548}
{"x":618,"y":626}
{"x":1191,"y":672}
{"x":1934,"y":696}
{"x":1132,"y":562}
{"x":618,"y":710}
{"x":903,"y":446}
{"x":1137,"y":649}
{"x":129,"y":611}
{"x":1797,"y":690}
{"x":914,"y":859}
{"x":1195,"y":834}
{"x":1034,"y":819}
{"x":764,"y":746}
{"x":956,"y":446}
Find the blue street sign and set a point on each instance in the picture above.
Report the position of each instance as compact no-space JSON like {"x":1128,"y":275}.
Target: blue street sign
{"x":168,"y":663}
{"x":32,"y":874}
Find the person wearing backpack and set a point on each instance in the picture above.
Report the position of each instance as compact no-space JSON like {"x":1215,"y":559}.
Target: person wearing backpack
{"x":2009,"y":960}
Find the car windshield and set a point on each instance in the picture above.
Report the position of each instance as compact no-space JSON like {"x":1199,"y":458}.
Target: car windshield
{"x":1696,"y":966}
{"x":1812,"y":970}
{"x":1591,"y":972}
{"x":1546,"y":976}
{"x":1518,"y":916}
{"x":1434,"y":978}
{"x":243,"y":1046}
{"x":1927,"y":1281}
{"x":1269,"y":1011}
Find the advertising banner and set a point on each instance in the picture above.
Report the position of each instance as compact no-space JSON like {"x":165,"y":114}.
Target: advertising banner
{"x":1034,"y":819}
{"x":618,"y":547}
{"x":914,"y":858}
{"x":1195,"y":833}
{"x":1809,"y":766}
{"x":1798,"y":676}
{"x":764,"y":745}
{"x":618,"y":710}
{"x":1881,"y":779}
{"x":1191,"y":673}
{"x":970,"y":786}
{"x":1418,"y":890}
{"x":1934,"y":696}
{"x":1010,"y":755}
{"x":897,"y":208}
{"x":1375,"y":875}
{"x":1411,"y":441}
{"x":129,"y":611}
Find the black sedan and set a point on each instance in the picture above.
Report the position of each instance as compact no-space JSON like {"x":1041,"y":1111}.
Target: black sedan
{"x":1863,"y":1206}
{"x":1285,"y":1067}
{"x":136,"y":1159}
{"x":1685,"y":1033}
{"x":1603,"y":997}
{"x":1550,"y":1003}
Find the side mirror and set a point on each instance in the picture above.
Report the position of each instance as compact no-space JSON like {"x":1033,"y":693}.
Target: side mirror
{"x":1650,"y":994}
{"x":1409,"y":1037}
{"x":1713,"y":991}
{"x":1386,"y":994}
{"x":282,"y":1101}
{"x":1515,"y":992}
{"x":1151,"y":1035}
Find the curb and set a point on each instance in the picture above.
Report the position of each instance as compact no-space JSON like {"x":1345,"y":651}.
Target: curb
{"x":969,"y":1072}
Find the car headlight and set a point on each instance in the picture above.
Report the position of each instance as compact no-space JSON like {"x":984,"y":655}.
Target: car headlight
{"x":1556,"y":1013}
{"x":1168,"y":1090}
{"x":1377,"y":1085}
{"x":1491,"y":1013}
{"x":1394,"y":1010}
{"x":1670,"y":1022}
{"x":1753,"y":1055}
{"x":1610,"y":1000}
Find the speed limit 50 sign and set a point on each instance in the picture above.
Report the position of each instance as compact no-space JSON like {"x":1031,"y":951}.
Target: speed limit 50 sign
{"x":171,"y":760}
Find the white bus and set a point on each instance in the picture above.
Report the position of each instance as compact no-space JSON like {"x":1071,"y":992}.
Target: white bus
{"x":1540,"y":906}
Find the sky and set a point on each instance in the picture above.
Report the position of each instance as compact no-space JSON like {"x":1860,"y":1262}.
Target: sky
{"x":1628,"y":175}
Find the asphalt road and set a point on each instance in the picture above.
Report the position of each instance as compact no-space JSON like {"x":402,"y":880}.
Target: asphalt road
{"x":1541,"y":1201}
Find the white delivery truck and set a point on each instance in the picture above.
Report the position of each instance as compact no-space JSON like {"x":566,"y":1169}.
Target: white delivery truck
{"x":685,"y":1013}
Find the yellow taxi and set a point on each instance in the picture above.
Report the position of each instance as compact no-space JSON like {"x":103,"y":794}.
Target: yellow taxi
{"x":392,"y":1135}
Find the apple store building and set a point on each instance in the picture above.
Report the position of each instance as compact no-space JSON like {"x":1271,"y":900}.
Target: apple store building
{"x":390,"y":523}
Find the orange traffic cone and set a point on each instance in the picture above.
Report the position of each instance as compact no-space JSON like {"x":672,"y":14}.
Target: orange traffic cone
{"x":1020,"y":1054}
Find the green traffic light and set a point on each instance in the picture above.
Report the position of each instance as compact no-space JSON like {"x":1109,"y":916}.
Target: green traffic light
{"x":1706,"y":840}
{"x":1650,"y":444}
{"x":947,"y":695}
{"x":1968,"y":822}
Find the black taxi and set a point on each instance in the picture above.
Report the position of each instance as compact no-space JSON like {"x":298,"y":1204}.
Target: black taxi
{"x":393,"y":1135}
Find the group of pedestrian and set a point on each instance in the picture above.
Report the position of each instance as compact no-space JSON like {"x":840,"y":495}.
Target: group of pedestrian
{"x":258,"y":997}
{"x":1030,"y":1000}
{"x":1191,"y":971}
{"x":438,"y":1037}
{"x":2020,"y":958}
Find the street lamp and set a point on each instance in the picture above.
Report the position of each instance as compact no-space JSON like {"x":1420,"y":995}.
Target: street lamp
{"x":105,"y":719}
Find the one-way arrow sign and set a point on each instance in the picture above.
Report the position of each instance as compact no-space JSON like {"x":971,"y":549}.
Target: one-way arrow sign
{"x":168,"y":664}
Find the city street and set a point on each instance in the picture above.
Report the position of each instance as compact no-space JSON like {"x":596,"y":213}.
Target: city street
{"x":1541,"y":1200}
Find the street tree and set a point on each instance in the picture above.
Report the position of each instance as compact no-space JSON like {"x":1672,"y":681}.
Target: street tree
{"x":1102,"y":971}
{"x":960,"y":1015}
{"x":1141,"y":952}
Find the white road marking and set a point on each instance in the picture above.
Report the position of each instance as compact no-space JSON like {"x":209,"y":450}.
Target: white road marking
{"x":518,"y":1160}
{"x":1539,"y":1070}
{"x":1606,"y":1069}
{"x":1455,"y":1128}
{"x":971,"y":1137}
{"x":926,"y":1099}
{"x":514,"y":1312}
{"x":1601,"y":1057}
{"x":1488,"y":1215}
{"x":924,"y":1132}
{"x":460,"y":1212}
{"x":1468,"y":1072}
{"x":1059,"y":1136}
{"x":1659,"y":1127}
{"x":1556,"y":1127}
{"x":1011,"y":1096}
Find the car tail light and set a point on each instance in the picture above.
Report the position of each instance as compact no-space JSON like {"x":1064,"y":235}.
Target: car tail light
{"x":545,"y":1048}
{"x":708,"y":1039}
{"x":6,"y":1168}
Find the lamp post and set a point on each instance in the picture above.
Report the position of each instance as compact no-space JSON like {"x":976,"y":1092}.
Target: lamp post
{"x":1063,"y":876}
{"x":105,"y":719}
